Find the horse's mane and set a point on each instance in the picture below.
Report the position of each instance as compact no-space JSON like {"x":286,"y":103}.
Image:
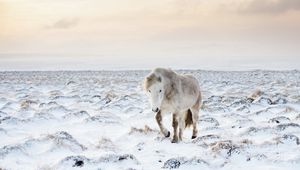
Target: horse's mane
{"x":168,"y":77}
{"x":150,"y":80}
{"x":156,"y":76}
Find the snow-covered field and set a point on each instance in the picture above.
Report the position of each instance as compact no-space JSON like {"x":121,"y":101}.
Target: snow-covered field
{"x":102,"y":120}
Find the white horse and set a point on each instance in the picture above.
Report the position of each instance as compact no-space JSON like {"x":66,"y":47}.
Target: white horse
{"x":180,"y":95}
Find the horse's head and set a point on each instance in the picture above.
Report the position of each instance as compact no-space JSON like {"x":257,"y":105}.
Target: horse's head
{"x":155,"y":88}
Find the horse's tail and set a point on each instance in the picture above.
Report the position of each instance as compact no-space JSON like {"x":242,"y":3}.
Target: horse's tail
{"x":188,"y":118}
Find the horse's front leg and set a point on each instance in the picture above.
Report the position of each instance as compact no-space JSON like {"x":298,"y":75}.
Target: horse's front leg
{"x":175,"y":127}
{"x":163,"y":130}
{"x":181,"y":127}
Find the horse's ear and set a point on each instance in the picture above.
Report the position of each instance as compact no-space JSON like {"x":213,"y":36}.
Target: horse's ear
{"x":159,"y":79}
{"x":150,"y":77}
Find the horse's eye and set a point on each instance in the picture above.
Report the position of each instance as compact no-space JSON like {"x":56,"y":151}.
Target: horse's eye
{"x":160,"y":91}
{"x":149,"y":91}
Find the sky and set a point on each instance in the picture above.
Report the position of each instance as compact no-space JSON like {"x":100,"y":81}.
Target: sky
{"x":143,"y":34}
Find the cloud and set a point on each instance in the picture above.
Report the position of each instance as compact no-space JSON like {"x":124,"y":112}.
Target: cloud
{"x":64,"y":24}
{"x":270,"y":6}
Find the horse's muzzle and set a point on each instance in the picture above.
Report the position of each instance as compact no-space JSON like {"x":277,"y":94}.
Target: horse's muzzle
{"x":155,"y":110}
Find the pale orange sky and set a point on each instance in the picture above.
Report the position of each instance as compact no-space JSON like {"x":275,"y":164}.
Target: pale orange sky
{"x":141,"y":34}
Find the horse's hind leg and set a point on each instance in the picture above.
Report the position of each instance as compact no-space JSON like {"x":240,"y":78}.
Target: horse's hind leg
{"x":175,"y":127}
{"x":161,"y":126}
{"x":195,"y":116}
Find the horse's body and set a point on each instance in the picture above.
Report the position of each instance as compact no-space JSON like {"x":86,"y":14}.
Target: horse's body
{"x":177,"y":94}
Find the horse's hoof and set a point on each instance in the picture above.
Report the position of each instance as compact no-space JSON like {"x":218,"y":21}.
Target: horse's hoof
{"x":174,"y":141}
{"x":168,"y":134}
{"x":193,"y":137}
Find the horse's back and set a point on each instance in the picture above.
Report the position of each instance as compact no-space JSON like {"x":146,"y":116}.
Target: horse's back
{"x":191,"y":80}
{"x":191,"y":77}
{"x":190,"y":86}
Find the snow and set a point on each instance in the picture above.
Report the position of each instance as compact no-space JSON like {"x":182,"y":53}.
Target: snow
{"x":102,"y":120}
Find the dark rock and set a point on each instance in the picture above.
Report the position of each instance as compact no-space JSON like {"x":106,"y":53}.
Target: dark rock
{"x":264,"y":100}
{"x":211,"y":120}
{"x":106,"y":100}
{"x":205,"y":138}
{"x":172,"y":164}
{"x":10,"y":120}
{"x":215,"y":98}
{"x":258,"y":157}
{"x":118,"y":158}
{"x":279,"y":119}
{"x":75,"y":161}
{"x":175,"y":163}
{"x":71,"y":82}
{"x":226,"y":145}
{"x":255,"y":130}
{"x":81,"y":113}
{"x":244,"y":109}
{"x":79,"y":163}
{"x":282,"y":127}
{"x":96,"y":97}
{"x":250,"y":100}
{"x":63,"y":138}
{"x":240,"y":102}
{"x":5,"y":150}
{"x":280,"y":101}
{"x":288,"y":137}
